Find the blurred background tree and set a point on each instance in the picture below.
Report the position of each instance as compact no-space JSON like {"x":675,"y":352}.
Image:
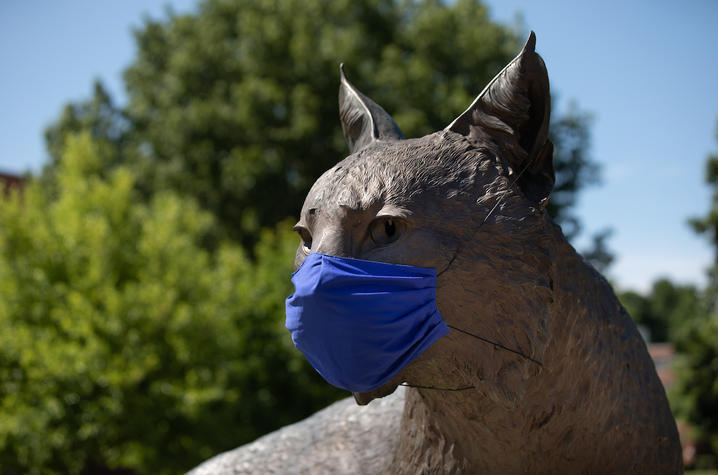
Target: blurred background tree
{"x":708,"y":226}
{"x":695,"y":396}
{"x":141,"y":289}
{"x":665,"y":310}
{"x":236,"y":105}
{"x":125,"y":343}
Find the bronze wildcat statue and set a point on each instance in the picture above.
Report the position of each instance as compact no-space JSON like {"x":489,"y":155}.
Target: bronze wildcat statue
{"x":552,"y":375}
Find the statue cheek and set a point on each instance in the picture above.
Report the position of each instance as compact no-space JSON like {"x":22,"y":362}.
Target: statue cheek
{"x":420,"y":247}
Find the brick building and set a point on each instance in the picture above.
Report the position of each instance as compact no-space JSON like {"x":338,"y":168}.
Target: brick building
{"x":9,"y":182}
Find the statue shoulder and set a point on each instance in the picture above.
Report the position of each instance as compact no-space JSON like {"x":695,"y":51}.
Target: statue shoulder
{"x":342,"y":438}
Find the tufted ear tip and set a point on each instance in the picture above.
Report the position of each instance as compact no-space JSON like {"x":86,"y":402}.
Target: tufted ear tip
{"x":363,"y":121}
{"x":513,"y":111}
{"x":342,"y":74}
{"x":530,"y":46}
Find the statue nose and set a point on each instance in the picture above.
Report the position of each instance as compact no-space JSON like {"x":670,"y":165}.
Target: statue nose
{"x":334,"y":242}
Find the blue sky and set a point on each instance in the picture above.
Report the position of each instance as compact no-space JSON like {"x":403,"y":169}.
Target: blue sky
{"x":647,"y":70}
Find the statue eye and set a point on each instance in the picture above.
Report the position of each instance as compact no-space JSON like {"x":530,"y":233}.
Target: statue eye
{"x":384,"y":231}
{"x":389,"y":227}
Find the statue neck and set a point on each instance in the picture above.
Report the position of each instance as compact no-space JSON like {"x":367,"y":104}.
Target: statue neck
{"x":594,"y":392}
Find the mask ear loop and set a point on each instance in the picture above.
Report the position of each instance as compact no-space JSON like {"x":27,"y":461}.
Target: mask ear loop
{"x":480,"y":338}
{"x":438,"y":389}
{"x":496,"y":345}
{"x":486,"y":340}
{"x":491,"y":211}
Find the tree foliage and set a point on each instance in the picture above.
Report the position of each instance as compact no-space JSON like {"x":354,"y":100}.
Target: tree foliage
{"x":570,"y":134}
{"x":236,"y":105}
{"x":695,"y":395}
{"x":124,"y":342}
{"x":142,"y":295}
{"x":708,"y":225}
{"x":666,"y":310}
{"x":599,"y":254}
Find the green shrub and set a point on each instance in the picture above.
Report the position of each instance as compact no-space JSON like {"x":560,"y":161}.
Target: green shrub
{"x":124,"y":342}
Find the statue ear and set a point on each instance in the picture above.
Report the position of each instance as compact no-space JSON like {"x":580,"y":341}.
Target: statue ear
{"x":363,"y":120}
{"x":513,"y":113}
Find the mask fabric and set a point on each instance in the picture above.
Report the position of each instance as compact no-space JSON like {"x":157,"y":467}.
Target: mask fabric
{"x":361,"y":322}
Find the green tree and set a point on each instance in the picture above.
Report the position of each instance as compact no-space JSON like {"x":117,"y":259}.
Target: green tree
{"x":570,"y":134}
{"x":125,"y":343}
{"x":599,"y":254}
{"x":231,"y":117}
{"x":666,"y":310}
{"x":98,"y":116}
{"x":236,"y":105}
{"x":708,"y":225}
{"x":695,"y":394}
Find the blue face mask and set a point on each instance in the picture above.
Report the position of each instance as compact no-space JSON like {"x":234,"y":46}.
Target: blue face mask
{"x":361,"y":322}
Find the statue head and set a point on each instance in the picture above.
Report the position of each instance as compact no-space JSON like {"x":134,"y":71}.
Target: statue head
{"x":468,"y":201}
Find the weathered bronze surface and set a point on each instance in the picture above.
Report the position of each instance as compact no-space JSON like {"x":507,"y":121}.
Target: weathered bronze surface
{"x":568,"y":387}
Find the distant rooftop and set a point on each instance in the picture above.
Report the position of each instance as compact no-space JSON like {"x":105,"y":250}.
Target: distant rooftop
{"x":662,"y":355}
{"x":9,"y":181}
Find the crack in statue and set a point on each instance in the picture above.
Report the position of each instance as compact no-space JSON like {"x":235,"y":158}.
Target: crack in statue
{"x":542,"y":370}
